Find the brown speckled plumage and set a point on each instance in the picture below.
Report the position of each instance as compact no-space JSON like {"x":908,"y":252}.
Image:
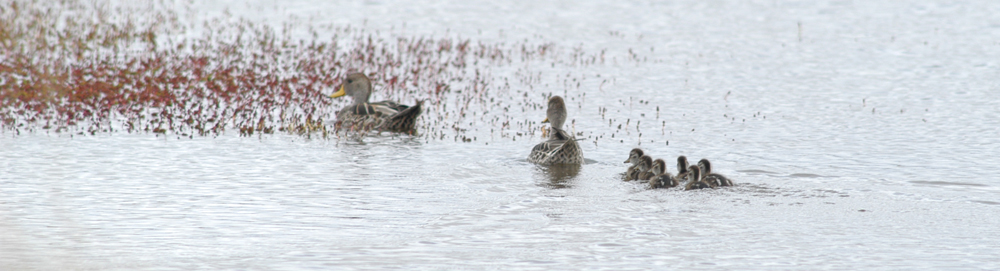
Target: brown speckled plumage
{"x":632,"y":172}
{"x":712,"y":178}
{"x":561,"y":147}
{"x":645,"y":168}
{"x":381,"y":116}
{"x":694,"y":179}
{"x":663,"y":179}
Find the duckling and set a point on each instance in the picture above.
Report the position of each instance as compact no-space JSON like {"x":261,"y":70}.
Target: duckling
{"x":561,"y":147}
{"x":711,"y":177}
{"x":662,"y":178}
{"x":633,"y":171}
{"x":382,"y":116}
{"x":711,"y":182}
{"x":645,"y":165}
{"x":694,"y":179}
{"x":682,"y":169}
{"x":682,"y":164}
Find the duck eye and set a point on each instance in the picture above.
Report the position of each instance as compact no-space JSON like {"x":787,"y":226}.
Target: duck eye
{"x":350,"y":81}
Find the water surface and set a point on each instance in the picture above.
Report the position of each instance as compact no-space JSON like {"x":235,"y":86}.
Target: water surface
{"x":860,"y":135}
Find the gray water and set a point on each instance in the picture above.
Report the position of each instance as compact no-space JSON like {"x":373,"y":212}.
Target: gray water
{"x":860,"y":135}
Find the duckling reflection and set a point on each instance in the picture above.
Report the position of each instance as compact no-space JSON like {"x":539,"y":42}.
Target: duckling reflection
{"x":632,"y":172}
{"x":711,"y":177}
{"x":662,"y":178}
{"x":560,"y":175}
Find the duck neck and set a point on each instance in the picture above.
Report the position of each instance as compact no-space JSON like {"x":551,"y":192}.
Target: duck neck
{"x":557,"y":116}
{"x":361,"y":97}
{"x":559,"y":134}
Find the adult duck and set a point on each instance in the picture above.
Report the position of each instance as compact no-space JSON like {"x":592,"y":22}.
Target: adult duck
{"x":561,"y":147}
{"x":364,"y":116}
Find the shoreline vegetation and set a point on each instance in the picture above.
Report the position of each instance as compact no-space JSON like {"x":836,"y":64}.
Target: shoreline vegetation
{"x":88,"y":68}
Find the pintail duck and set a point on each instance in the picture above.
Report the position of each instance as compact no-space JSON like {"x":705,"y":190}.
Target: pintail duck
{"x":364,"y":116}
{"x":711,"y":177}
{"x":561,"y":147}
{"x":632,"y":172}
{"x":694,"y":180}
{"x":662,"y":178}
{"x":645,"y":166}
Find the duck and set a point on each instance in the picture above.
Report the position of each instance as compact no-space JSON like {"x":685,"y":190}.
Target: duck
{"x":662,"y":178}
{"x":645,"y":168}
{"x":364,"y":116}
{"x":561,"y":147}
{"x":633,"y":171}
{"x":682,"y":168}
{"x":694,"y":179}
{"x":711,"y":177}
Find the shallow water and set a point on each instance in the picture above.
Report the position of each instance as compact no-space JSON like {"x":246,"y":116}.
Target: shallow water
{"x":865,"y":138}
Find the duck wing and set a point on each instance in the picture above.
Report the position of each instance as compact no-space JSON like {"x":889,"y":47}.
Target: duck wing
{"x":363,"y":109}
{"x":631,"y":173}
{"x":666,"y":180}
{"x":559,"y":149}
{"x":696,"y":185}
{"x":391,"y":105}
{"x":359,"y":117}
{"x":719,"y":179}
{"x":404,"y":118}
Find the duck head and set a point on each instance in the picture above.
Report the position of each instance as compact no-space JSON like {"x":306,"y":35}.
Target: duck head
{"x":705,"y":166}
{"x":645,"y":163}
{"x":356,"y":85}
{"x":659,"y":167}
{"x":695,"y":174}
{"x":634,"y":156}
{"x":682,"y":164}
{"x":556,"y":114}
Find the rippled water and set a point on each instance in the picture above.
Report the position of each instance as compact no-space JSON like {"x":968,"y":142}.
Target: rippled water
{"x":861,"y":135}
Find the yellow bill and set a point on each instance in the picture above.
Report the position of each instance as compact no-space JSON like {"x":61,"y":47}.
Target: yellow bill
{"x":546,"y":120}
{"x":339,"y":93}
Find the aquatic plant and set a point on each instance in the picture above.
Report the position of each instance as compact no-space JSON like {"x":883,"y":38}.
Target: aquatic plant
{"x":71,"y":67}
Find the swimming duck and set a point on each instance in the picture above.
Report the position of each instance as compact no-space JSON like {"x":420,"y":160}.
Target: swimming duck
{"x":363,"y":116}
{"x":710,"y":177}
{"x":633,"y":171}
{"x":694,"y":179}
{"x":561,"y":147}
{"x":645,"y":166}
{"x":682,"y":168}
{"x":662,"y":178}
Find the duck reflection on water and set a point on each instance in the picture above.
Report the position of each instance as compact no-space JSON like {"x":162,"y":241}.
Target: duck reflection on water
{"x":559,"y":176}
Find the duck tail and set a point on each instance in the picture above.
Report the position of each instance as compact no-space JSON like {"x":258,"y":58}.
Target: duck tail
{"x":405,"y":120}
{"x":567,"y":153}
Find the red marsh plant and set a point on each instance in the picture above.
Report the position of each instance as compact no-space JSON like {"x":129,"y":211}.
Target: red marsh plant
{"x":68,"y":67}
